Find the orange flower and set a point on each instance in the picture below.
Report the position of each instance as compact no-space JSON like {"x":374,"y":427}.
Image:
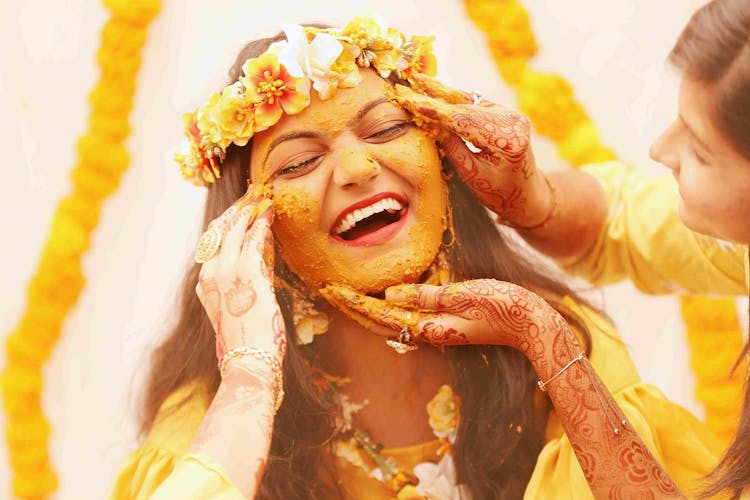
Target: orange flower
{"x":422,"y":59}
{"x":270,"y":86}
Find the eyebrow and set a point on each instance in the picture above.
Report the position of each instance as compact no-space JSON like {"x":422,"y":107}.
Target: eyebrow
{"x":694,"y":135}
{"x":309,"y":134}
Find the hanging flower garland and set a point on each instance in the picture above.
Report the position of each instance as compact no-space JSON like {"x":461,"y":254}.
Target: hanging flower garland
{"x":59,"y":280}
{"x":713,"y":330}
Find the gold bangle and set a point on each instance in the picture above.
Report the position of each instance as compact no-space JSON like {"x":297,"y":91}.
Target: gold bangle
{"x":263,"y":356}
{"x":550,"y":215}
{"x":543,"y":385}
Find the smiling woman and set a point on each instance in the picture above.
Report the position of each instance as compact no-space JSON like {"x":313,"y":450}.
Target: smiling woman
{"x":353,"y":218}
{"x":334,"y":165}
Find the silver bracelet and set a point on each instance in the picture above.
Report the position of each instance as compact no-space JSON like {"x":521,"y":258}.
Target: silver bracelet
{"x":264,"y":356}
{"x":543,"y":385}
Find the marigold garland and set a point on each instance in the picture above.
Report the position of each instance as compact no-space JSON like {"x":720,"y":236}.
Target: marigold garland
{"x":713,"y":330}
{"x":58,"y":281}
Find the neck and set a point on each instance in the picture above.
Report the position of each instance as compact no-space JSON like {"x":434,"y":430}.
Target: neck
{"x":396,"y":386}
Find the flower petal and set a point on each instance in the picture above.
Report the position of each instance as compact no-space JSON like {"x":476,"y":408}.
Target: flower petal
{"x":293,"y":102}
{"x":266,"y":115}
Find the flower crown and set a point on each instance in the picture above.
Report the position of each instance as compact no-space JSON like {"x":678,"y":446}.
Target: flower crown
{"x":279,"y":81}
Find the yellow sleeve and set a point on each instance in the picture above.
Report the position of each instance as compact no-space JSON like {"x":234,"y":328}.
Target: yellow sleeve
{"x":163,"y":469}
{"x":643,"y":239}
{"x":682,"y":444}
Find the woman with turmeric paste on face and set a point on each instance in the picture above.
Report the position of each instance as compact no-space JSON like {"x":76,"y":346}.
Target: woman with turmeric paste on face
{"x":353,"y":228}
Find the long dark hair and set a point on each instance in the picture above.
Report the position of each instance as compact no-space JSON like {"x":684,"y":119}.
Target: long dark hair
{"x":493,"y":460}
{"x":714,"y":49}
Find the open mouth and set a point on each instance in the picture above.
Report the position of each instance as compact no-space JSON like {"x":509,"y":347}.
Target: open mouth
{"x":370,"y":221}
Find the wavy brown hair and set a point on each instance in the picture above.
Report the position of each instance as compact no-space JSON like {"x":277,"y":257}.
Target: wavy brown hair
{"x":714,"y":49}
{"x":493,"y":460}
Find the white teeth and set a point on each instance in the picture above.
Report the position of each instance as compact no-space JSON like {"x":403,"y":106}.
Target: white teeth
{"x":390,"y":204}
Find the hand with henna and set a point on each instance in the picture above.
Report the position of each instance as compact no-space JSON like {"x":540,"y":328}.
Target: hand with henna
{"x":614,"y":460}
{"x":502,"y":173}
{"x":236,"y":290}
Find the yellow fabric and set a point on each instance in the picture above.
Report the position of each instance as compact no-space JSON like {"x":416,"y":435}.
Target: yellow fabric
{"x":643,"y":239}
{"x":682,"y":444}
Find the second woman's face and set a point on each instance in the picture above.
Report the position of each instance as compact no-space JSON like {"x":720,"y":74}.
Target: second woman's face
{"x":713,"y":178}
{"x":359,"y":197}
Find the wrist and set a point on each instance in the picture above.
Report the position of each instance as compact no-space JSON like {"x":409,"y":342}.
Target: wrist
{"x":242,"y":362}
{"x":541,"y":205}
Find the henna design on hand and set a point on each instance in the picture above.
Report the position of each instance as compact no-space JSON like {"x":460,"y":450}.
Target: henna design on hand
{"x":241,"y":297}
{"x":437,"y":334}
{"x":586,"y":461}
{"x":613,"y":459}
{"x":504,"y":134}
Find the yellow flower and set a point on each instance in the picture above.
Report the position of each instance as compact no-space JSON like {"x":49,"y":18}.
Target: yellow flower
{"x":346,"y":67}
{"x":422,"y":59}
{"x":380,"y":46}
{"x":270,"y":86}
{"x":409,"y":492}
{"x":227,"y":117}
{"x":442,"y":412}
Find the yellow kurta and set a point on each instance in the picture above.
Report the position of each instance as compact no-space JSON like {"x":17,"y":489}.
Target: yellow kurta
{"x":162,"y":467}
{"x":643,"y":239}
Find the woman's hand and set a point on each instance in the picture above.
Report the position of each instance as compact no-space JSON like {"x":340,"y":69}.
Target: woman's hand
{"x":613,"y":458}
{"x":236,"y":289}
{"x":236,"y":285}
{"x":503,"y":173}
{"x":484,"y":311}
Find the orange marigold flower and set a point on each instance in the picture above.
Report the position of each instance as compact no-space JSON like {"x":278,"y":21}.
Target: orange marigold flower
{"x":270,"y":86}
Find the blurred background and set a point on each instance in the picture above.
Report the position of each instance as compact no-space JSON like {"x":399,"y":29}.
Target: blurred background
{"x":612,"y":52}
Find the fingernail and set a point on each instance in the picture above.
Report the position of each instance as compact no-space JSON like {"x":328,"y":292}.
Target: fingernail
{"x":428,"y":112}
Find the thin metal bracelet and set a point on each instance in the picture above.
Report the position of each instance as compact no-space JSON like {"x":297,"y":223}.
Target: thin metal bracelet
{"x":264,"y":356}
{"x":606,"y":408}
{"x":543,"y":385}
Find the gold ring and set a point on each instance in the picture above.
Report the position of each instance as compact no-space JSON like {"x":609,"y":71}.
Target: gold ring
{"x":208,"y":245}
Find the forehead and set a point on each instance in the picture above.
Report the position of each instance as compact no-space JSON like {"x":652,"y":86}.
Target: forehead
{"x":695,"y":110}
{"x":331,"y":116}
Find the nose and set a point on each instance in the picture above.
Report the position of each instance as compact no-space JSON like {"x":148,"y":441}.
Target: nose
{"x":664,"y":149}
{"x":355,"y":167}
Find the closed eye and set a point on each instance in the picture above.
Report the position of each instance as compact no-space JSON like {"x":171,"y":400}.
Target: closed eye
{"x":390,"y":132}
{"x":298,"y":168}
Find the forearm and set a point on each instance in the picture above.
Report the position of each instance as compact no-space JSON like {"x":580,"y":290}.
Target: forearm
{"x":578,"y":219}
{"x":236,"y":431}
{"x":614,"y":459}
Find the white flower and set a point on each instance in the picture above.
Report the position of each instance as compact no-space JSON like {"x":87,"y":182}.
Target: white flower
{"x":312,"y":60}
{"x":438,"y":481}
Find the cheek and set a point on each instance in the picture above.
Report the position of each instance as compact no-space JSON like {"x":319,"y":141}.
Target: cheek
{"x":295,"y":210}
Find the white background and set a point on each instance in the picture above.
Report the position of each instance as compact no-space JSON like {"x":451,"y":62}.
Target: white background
{"x":612,"y":51}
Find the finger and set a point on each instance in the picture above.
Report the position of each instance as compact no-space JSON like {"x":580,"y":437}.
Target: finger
{"x":231,"y":244}
{"x":447,"y":298}
{"x":499,"y":130}
{"x":434,"y":88}
{"x":446,"y":329}
{"x":413,"y":296}
{"x":375,"y":314}
{"x":257,"y":249}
